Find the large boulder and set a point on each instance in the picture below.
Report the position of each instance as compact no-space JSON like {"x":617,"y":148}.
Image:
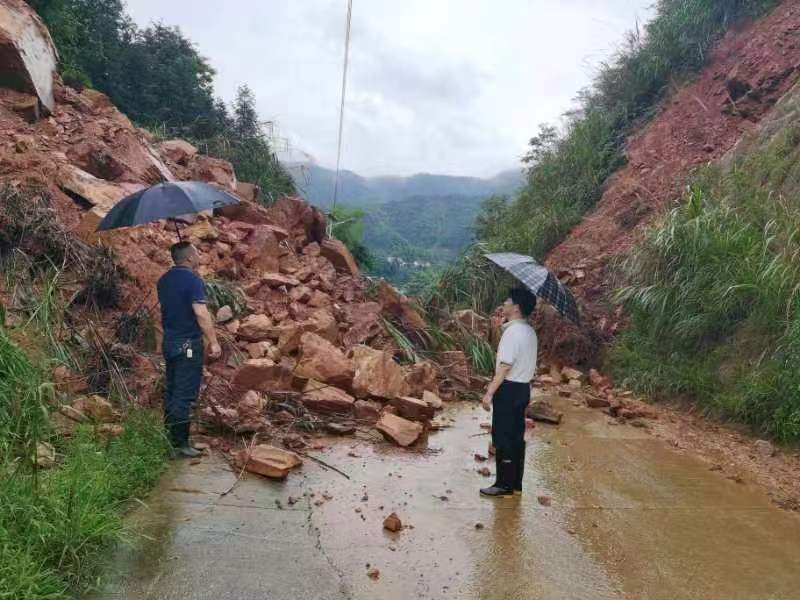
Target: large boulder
{"x":28,"y":58}
{"x":398,"y":305}
{"x":264,"y":375}
{"x":322,"y":361}
{"x":256,"y":328}
{"x":376,"y":374}
{"x":263,"y":253}
{"x":90,"y":192}
{"x":122,"y":157}
{"x":268,"y":461}
{"x":298,"y":217}
{"x":324,"y":398}
{"x":320,"y":322}
{"x":422,"y":377}
{"x":399,"y":430}
{"x":213,"y":170}
{"x":413,"y":408}
{"x":247,"y":191}
{"x":364,"y":323}
{"x":340,"y":257}
{"x":178,"y":151}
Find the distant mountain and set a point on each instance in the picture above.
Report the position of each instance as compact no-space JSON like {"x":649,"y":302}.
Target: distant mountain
{"x":316,"y":185}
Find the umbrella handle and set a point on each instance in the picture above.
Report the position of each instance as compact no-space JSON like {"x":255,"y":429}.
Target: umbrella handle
{"x":178,"y":231}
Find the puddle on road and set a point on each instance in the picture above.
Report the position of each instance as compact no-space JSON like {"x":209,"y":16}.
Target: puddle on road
{"x":630,"y":518}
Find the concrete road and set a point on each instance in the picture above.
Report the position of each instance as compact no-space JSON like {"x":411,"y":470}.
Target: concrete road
{"x":629,"y":517}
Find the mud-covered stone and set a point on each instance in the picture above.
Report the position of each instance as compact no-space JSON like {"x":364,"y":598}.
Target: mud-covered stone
{"x":269,"y":461}
{"x":324,"y":398}
{"x":399,"y":430}
{"x":322,"y":361}
{"x":376,"y":374}
{"x":413,"y":408}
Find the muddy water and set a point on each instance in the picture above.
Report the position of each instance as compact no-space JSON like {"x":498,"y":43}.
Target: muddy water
{"x":629,"y":517}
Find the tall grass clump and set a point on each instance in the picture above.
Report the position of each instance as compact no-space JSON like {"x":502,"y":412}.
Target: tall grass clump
{"x":714,"y":293}
{"x":568,"y":166}
{"x":54,"y":523}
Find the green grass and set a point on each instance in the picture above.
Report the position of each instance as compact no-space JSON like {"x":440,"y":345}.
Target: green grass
{"x":55,"y":523}
{"x":714,"y":292}
{"x":568,"y":168}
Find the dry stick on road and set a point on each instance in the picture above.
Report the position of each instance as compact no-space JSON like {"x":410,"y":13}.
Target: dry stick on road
{"x":324,"y":464}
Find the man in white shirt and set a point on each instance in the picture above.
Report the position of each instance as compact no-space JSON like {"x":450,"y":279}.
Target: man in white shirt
{"x":510,"y":391}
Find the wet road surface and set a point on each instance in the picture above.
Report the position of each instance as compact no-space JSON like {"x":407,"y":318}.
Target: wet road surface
{"x":630,"y":517}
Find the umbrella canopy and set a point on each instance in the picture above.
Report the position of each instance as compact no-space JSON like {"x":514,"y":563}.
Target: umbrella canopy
{"x":540,"y":281}
{"x":165,"y":201}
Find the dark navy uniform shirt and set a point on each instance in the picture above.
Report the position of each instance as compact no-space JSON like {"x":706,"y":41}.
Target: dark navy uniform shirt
{"x":178,"y":289}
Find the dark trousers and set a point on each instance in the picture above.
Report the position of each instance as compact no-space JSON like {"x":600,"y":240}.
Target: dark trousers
{"x":508,"y":432}
{"x":181,"y":386}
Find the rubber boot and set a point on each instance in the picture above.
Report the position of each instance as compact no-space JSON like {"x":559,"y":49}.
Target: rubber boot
{"x":520,"y":469}
{"x":502,"y":487}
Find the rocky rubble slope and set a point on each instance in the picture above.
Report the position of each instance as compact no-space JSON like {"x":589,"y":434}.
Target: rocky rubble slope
{"x":748,"y":72}
{"x":306,"y":348}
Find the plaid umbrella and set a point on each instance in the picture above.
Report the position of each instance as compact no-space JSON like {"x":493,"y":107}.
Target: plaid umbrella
{"x":540,"y":281}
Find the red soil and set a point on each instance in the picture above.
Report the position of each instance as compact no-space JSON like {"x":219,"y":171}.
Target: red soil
{"x":749,"y":71}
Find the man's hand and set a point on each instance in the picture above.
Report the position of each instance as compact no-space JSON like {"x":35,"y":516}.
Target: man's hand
{"x":214,"y":351}
{"x":486,"y":402}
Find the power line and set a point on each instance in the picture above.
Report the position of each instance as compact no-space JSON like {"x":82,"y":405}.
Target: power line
{"x":341,"y":106}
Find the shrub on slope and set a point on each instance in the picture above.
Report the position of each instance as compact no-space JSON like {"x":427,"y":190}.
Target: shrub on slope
{"x":567,"y":169}
{"x":714,"y":292}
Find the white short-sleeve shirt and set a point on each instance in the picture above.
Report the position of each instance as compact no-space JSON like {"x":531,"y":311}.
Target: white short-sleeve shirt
{"x":518,"y":348}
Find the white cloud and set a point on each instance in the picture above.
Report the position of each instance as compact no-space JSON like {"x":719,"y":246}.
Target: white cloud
{"x":450,"y":86}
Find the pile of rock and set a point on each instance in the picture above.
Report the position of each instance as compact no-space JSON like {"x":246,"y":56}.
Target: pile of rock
{"x":593,"y":390}
{"x":307,"y":336}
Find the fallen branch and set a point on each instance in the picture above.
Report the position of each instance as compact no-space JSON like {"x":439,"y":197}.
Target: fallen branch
{"x":323,"y":463}
{"x":480,"y":434}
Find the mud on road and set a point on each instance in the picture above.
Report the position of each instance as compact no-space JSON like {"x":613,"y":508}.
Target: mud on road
{"x":629,"y":516}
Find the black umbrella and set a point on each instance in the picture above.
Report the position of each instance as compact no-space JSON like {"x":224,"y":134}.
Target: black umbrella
{"x":165,"y":201}
{"x":540,"y":281}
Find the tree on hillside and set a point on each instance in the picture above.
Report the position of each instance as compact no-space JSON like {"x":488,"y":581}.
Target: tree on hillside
{"x":159,"y":79}
{"x":245,"y":116}
{"x":163,"y":81}
{"x":155,"y":75}
{"x":245,"y":143}
{"x":90,"y":36}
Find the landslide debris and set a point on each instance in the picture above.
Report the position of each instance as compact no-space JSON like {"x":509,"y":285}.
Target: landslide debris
{"x":750,"y":69}
{"x":305,"y":346}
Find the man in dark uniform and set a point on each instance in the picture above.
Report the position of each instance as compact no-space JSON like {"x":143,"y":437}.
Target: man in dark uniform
{"x":186,"y":321}
{"x":509,"y":392}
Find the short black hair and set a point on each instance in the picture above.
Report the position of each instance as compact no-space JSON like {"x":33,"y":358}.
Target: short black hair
{"x":180,"y":251}
{"x":523,"y":298}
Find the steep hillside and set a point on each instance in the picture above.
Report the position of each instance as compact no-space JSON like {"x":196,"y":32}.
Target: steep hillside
{"x":309,"y":346}
{"x":749,"y":70}
{"x":712,"y":290}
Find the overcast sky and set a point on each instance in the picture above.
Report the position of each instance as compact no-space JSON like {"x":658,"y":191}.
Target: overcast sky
{"x":440,"y":86}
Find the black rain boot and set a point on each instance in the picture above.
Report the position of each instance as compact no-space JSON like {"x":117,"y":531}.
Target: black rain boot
{"x":520,"y":468}
{"x":505,"y":472}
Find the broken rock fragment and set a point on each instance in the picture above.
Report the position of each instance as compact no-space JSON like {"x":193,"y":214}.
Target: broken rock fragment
{"x":321,"y":397}
{"x":399,"y":430}
{"x":28,"y":58}
{"x":268,"y":461}
{"x":256,"y":328}
{"x":412,"y":408}
{"x":376,"y":374}
{"x":392,"y":523}
{"x":263,"y":374}
{"x":322,"y":361}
